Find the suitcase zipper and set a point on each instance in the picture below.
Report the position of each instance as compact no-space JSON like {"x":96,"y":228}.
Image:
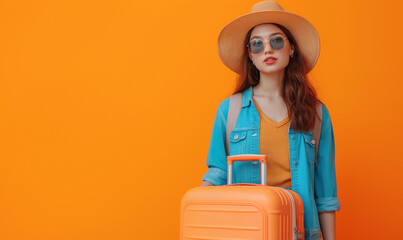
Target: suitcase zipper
{"x":294,"y":231}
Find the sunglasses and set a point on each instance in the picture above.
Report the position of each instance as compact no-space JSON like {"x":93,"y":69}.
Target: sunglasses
{"x":256,"y":46}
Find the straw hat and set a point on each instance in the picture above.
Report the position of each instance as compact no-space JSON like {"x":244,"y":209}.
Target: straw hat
{"x":231,"y":38}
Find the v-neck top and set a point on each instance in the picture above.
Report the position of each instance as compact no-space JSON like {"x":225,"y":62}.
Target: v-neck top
{"x":273,"y":142}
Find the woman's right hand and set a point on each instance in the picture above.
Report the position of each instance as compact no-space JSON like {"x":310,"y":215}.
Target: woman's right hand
{"x":206,"y":183}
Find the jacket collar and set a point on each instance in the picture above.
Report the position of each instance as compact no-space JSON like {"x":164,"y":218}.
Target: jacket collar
{"x":247,"y":97}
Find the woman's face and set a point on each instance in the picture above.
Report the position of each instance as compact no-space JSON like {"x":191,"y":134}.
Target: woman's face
{"x":265,"y":32}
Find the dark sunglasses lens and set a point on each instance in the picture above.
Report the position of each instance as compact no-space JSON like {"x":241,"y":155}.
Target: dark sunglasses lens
{"x":255,"y":46}
{"x":277,"y":43}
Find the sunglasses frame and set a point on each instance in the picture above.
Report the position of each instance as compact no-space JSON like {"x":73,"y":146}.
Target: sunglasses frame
{"x":264,"y":44}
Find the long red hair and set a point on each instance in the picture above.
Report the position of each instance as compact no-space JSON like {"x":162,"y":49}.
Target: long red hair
{"x":297,"y":92}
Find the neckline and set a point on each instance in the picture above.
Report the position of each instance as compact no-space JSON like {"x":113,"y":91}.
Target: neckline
{"x":272,"y":122}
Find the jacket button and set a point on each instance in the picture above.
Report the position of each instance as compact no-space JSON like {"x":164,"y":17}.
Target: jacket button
{"x":294,"y":162}
{"x":254,"y":134}
{"x":313,"y":141}
{"x":292,"y":137}
{"x":236,"y":136}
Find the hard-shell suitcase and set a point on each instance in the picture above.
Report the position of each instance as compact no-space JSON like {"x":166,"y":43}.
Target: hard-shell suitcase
{"x":242,"y":211}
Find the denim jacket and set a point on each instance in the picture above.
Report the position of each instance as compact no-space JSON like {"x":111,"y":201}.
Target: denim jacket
{"x":316,"y":185}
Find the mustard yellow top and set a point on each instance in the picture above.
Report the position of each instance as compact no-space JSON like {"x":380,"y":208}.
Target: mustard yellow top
{"x":274,"y":143}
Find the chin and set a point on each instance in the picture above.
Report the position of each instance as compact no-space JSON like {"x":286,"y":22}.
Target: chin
{"x":273,"y":70}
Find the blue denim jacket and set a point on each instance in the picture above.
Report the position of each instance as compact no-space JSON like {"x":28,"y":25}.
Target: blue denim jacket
{"x":316,"y":185}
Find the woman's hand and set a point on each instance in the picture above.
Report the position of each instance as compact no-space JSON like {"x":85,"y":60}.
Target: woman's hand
{"x":206,"y":183}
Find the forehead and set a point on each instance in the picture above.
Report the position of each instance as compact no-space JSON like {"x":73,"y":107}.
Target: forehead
{"x":265,"y":30}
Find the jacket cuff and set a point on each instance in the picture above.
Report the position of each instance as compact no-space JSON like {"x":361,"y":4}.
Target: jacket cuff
{"x":327,"y":204}
{"x":216,"y":176}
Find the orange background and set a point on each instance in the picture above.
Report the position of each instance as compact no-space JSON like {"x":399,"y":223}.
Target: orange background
{"x":106,"y":111}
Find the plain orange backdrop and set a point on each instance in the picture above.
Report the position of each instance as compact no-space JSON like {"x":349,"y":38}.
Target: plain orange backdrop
{"x":106,"y":111}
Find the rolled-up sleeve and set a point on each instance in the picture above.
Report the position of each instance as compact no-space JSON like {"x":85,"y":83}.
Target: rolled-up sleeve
{"x":216,"y":156}
{"x":325,"y":174}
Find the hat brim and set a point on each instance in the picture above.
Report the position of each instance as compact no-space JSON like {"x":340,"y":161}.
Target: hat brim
{"x":231,"y":38}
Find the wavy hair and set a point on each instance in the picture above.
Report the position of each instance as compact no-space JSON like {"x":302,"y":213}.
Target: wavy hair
{"x":297,"y":92}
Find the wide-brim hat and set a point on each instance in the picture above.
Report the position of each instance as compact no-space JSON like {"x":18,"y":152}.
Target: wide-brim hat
{"x":231,"y":39}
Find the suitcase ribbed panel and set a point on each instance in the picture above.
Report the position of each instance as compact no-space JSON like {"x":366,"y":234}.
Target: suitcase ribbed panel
{"x":280,"y":218}
{"x":222,"y":222}
{"x":238,"y":213}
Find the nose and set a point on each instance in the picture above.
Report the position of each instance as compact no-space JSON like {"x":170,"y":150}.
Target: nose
{"x":267,"y":47}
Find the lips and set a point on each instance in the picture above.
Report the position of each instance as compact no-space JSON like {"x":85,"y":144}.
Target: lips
{"x":270,"y":60}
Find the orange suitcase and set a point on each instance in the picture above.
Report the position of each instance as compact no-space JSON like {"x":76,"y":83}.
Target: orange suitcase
{"x":242,"y":211}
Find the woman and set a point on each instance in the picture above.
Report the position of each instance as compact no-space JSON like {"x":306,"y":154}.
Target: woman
{"x":272,"y":51}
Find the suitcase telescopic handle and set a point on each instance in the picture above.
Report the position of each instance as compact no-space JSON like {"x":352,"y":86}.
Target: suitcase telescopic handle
{"x":248,"y":157}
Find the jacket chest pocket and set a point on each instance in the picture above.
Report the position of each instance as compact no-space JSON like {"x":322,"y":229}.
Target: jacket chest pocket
{"x":309,"y":148}
{"x":237,"y":142}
